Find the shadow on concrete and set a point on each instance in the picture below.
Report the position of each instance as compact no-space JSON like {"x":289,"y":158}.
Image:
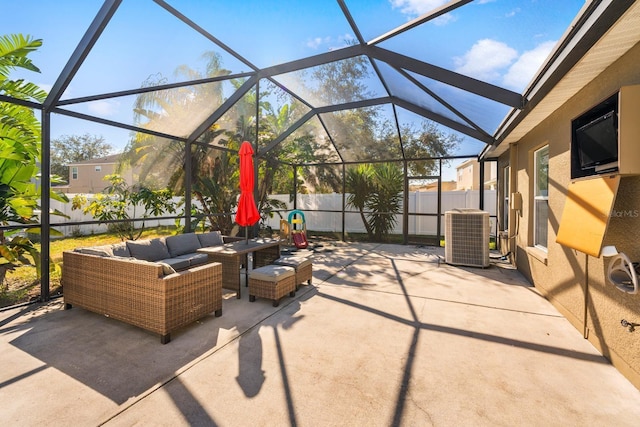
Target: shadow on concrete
{"x":251,"y":376}
{"x":116,"y":360}
{"x":403,"y":392}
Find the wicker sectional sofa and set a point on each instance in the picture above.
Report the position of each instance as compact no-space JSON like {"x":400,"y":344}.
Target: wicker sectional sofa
{"x":159,"y":284}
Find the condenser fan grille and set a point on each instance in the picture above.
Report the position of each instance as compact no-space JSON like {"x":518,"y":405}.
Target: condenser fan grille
{"x":466,"y":237}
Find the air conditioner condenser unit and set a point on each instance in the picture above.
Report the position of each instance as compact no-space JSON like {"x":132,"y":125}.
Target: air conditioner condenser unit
{"x":466,"y":237}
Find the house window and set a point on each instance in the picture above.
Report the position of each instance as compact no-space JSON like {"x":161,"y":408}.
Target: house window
{"x":541,"y":197}
{"x":74,"y":173}
{"x":98,"y":168}
{"x":506,"y":179}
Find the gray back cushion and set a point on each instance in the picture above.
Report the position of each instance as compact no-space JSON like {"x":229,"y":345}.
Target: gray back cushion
{"x":183,"y":244}
{"x":213,"y":238}
{"x":148,"y":250}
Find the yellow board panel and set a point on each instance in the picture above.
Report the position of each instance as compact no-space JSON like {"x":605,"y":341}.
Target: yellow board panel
{"x":586,"y":214}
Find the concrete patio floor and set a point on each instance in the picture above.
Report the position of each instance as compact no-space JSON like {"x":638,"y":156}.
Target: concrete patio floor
{"x":386,"y":335}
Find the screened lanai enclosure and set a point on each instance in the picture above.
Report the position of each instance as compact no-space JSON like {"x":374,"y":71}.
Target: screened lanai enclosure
{"x":355,"y":109}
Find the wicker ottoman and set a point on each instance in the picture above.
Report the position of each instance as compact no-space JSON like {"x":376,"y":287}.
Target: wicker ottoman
{"x":303,"y":267}
{"x":272,"y":282}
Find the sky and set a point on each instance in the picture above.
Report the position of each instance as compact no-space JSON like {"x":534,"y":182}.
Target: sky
{"x":503,"y":42}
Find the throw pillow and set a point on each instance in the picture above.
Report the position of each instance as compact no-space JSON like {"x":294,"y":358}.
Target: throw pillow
{"x":167,"y":269}
{"x":120,"y":249}
{"x":96,"y":250}
{"x":183,"y":244}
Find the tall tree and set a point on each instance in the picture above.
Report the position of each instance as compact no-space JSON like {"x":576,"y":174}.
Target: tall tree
{"x":353,"y":131}
{"x":76,"y":148}
{"x":427,"y":141}
{"x":363,"y":134}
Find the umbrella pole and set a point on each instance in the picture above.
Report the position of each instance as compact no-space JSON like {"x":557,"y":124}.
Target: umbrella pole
{"x":246,"y":235}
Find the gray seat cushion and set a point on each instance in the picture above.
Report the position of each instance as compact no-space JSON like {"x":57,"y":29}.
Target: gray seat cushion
{"x":148,"y":250}
{"x":213,"y":238}
{"x":272,"y":273}
{"x":183,"y":244}
{"x":176,"y":263}
{"x":194,"y":258}
{"x":292,"y":261}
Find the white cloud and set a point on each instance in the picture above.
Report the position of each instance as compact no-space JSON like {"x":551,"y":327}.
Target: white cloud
{"x":522,"y":71}
{"x":104,"y":107}
{"x":513,"y":12}
{"x":416,"y":7}
{"x":346,"y":38}
{"x":445,"y":19}
{"x":485,"y":60}
{"x":316,"y":42}
{"x":330,"y":43}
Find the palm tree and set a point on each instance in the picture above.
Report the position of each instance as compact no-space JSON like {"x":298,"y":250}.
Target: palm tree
{"x":359,"y":184}
{"x":179,"y":111}
{"x":377,"y":190}
{"x":385,"y":201}
{"x":175,"y":112}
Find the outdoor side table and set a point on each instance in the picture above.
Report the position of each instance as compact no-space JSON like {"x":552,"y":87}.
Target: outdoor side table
{"x":231,"y":255}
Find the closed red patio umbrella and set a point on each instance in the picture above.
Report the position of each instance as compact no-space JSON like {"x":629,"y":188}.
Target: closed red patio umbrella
{"x":247,"y":213}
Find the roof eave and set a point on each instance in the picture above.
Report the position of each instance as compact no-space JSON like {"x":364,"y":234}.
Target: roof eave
{"x":592,"y":24}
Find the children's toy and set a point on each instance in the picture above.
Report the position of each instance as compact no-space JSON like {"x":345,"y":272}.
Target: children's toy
{"x":298,"y":229}
{"x":285,"y":230}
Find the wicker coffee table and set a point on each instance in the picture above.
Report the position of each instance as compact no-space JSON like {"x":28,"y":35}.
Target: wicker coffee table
{"x":233,"y":255}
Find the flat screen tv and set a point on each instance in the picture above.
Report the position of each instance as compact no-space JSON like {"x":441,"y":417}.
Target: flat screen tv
{"x":597,"y":141}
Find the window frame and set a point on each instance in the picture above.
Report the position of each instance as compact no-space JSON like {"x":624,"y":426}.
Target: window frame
{"x":74,"y":172}
{"x":506,"y":188}
{"x":540,"y":195}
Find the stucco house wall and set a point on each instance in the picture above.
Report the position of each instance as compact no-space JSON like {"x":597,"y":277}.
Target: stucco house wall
{"x":574,"y":282}
{"x":468,"y":175}
{"x":90,"y":180}
{"x":91,"y":174}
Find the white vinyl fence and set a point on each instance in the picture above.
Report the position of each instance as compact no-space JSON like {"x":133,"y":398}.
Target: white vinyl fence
{"x":423,"y":202}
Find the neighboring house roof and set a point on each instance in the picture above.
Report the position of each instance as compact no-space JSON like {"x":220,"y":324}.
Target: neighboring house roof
{"x":594,"y":41}
{"x":465,"y":164}
{"x":112,"y":159}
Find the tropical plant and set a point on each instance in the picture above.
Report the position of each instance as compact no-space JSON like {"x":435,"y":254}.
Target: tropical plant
{"x":385,"y":201}
{"x":359,"y":185}
{"x":20,"y":153}
{"x":118,"y":206}
{"x":376,"y":192}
